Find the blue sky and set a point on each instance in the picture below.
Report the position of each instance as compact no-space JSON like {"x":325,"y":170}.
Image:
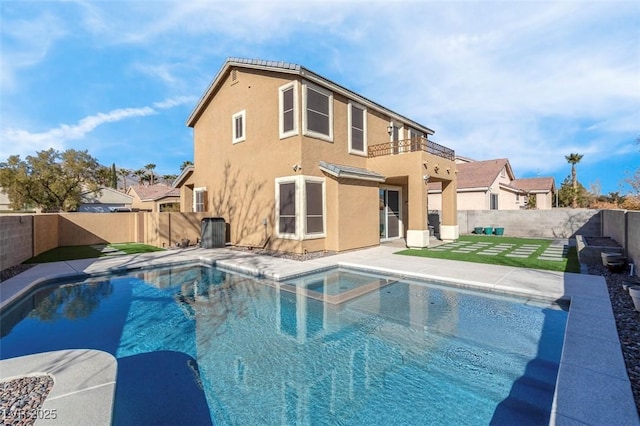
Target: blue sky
{"x":529,"y":81}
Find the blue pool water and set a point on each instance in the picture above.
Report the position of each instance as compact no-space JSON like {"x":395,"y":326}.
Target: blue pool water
{"x":196,"y":345}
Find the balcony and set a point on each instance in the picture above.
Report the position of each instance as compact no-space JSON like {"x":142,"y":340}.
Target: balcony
{"x":411,"y":145}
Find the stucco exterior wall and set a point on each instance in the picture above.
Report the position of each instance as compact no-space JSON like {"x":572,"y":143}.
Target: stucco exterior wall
{"x":544,"y":201}
{"x":240,"y":178}
{"x":95,"y":228}
{"x":46,"y":232}
{"x":472,"y":201}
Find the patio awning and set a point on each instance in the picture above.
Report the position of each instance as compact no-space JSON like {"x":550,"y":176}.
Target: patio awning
{"x":350,"y":172}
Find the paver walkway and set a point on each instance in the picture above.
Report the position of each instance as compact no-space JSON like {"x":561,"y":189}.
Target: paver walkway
{"x":557,"y":251}
{"x":108,"y":251}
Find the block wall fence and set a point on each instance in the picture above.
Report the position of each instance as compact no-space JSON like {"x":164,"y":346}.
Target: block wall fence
{"x":25,"y":236}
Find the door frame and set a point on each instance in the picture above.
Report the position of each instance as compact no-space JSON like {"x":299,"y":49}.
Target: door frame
{"x":386,"y":215}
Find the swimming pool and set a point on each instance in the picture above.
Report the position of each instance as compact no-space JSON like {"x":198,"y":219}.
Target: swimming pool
{"x":199,"y":345}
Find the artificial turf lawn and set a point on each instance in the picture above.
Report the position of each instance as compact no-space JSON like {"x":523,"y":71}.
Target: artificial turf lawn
{"x":87,"y":252}
{"x":570,"y":264}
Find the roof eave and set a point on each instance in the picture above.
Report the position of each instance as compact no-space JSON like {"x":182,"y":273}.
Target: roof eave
{"x":204,"y":100}
{"x":186,"y":172}
{"x":303,"y":73}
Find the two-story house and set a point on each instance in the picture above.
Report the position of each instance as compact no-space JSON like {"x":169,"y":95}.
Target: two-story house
{"x":295,"y":162}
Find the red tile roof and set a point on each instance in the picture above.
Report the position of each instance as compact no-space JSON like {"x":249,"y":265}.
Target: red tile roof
{"x":479,"y":173}
{"x":534,"y":184}
{"x":154,"y":192}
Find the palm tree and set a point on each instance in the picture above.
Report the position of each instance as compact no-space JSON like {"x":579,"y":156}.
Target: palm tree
{"x":574,"y":159}
{"x":124,"y":174}
{"x":150,"y":168}
{"x":140,"y":174}
{"x":186,"y":164}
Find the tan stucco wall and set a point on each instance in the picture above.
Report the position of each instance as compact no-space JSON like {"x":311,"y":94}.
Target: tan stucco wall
{"x":473,"y":201}
{"x":46,"y":232}
{"x":95,"y":228}
{"x":351,"y":226}
{"x":544,"y":201}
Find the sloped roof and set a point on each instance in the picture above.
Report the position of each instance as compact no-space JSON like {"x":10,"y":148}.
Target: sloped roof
{"x":106,"y":196}
{"x":297,"y":70}
{"x":481,"y":173}
{"x":186,"y":172}
{"x":537,"y":184}
{"x":350,"y":172}
{"x":154,"y":192}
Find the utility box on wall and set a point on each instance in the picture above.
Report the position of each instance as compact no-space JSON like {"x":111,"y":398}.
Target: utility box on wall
{"x":212,"y":232}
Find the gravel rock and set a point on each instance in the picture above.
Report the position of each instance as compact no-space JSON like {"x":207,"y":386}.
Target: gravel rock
{"x":5,"y":274}
{"x":21,"y":399}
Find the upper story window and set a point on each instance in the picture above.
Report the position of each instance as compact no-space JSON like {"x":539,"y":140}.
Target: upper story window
{"x":288,"y":107}
{"x":238,"y":122}
{"x":357,"y":122}
{"x":318,"y":112}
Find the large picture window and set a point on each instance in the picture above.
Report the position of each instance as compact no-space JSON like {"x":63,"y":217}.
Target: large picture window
{"x":318,"y":112}
{"x":300,"y":211}
{"x":288,"y":117}
{"x":357,"y":119}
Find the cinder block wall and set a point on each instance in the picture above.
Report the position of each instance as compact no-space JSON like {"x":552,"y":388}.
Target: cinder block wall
{"x":614,"y":225}
{"x":16,"y":240}
{"x":633,"y":239}
{"x":555,"y":223}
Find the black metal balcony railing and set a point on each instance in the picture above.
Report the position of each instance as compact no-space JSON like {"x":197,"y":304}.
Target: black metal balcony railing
{"x":411,"y":145}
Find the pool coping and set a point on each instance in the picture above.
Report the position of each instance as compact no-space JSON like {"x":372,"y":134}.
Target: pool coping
{"x":82,"y":377}
{"x":592,"y":387}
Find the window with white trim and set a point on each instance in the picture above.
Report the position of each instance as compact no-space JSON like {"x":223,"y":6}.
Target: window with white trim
{"x":317,"y":117}
{"x":238,"y":123}
{"x":200,"y":199}
{"x":357,"y":123}
{"x":300,"y":207}
{"x":288,"y":110}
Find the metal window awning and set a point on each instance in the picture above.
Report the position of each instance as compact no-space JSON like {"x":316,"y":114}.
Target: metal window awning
{"x":349,"y":172}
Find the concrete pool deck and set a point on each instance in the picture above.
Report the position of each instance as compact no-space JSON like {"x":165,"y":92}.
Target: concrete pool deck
{"x":592,"y":387}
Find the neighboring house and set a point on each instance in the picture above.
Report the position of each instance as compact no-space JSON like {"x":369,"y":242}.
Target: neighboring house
{"x":104,"y":200}
{"x":5,"y":203}
{"x":154,"y":198}
{"x":295,"y":162}
{"x":491,"y":185}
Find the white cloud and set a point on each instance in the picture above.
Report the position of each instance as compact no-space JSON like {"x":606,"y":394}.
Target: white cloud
{"x":25,"y":43}
{"x":23,"y":142}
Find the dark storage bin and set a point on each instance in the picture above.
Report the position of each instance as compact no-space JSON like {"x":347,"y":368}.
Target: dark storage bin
{"x":212,"y":232}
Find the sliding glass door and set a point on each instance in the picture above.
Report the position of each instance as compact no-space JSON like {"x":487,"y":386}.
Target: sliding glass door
{"x":390,"y":222}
